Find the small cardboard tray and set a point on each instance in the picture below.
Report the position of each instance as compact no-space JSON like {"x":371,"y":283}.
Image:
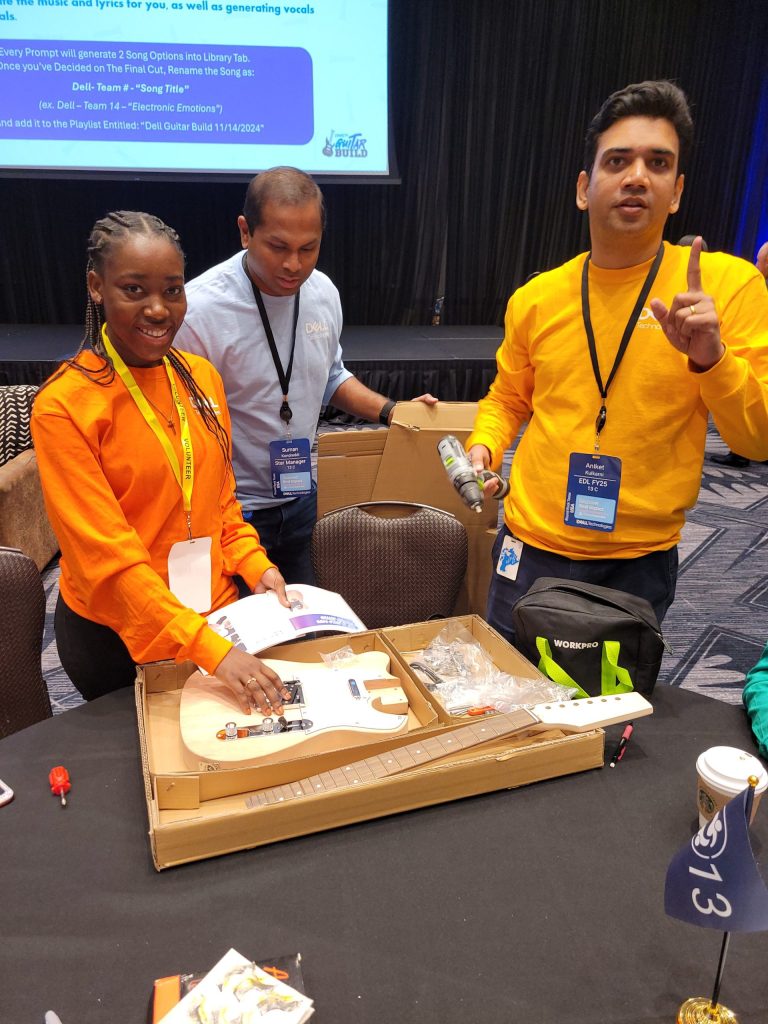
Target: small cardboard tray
{"x":405,"y":641}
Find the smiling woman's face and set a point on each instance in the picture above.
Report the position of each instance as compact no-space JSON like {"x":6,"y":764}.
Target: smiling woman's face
{"x":141,"y":285}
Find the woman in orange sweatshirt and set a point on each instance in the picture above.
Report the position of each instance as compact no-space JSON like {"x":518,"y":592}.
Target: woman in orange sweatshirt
{"x":133,"y":442}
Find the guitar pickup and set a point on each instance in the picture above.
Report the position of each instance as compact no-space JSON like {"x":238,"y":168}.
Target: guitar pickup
{"x":294,"y":688}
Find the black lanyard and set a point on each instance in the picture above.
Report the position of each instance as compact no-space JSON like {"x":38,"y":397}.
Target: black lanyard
{"x":602,"y":416}
{"x":283,"y":375}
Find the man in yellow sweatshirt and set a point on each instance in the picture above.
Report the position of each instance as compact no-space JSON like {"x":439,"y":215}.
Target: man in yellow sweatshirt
{"x":613,"y":363}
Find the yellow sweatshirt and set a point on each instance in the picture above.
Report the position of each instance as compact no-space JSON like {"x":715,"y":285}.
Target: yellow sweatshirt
{"x":116,"y":509}
{"x":657,"y":407}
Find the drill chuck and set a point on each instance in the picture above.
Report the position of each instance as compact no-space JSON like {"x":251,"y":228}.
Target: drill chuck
{"x":460,"y":472}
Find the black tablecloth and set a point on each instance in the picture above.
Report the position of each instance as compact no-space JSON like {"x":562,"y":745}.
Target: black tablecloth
{"x":541,"y":904}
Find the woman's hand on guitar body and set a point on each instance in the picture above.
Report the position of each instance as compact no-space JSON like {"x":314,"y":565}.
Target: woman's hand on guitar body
{"x":251,"y":681}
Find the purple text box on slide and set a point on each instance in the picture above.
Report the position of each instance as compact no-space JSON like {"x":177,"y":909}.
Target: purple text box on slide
{"x":137,"y":92}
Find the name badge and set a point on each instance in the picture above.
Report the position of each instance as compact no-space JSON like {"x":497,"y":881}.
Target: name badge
{"x":291,"y":467}
{"x":592,"y":498}
{"x":189,"y":573}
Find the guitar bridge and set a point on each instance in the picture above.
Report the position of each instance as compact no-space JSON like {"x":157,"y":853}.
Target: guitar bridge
{"x":269,"y":727}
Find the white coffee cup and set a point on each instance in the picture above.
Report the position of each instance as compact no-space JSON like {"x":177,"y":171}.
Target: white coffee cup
{"x":723,"y":772}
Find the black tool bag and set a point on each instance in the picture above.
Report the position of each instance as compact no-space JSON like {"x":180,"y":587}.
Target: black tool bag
{"x":597,"y":639}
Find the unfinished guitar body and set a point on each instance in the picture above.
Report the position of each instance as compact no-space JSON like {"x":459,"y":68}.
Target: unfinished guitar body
{"x":333,"y":708}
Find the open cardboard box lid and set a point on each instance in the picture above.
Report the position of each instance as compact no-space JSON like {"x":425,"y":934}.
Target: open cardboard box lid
{"x":402,"y":464}
{"x":399,"y":464}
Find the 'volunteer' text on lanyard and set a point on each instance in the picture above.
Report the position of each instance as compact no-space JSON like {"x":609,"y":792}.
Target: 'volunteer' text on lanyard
{"x":185,"y":480}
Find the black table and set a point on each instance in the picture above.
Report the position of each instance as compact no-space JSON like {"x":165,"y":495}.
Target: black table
{"x":543,"y":904}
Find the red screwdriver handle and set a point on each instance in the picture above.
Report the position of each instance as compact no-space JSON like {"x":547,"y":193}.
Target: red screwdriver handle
{"x":58,"y":778}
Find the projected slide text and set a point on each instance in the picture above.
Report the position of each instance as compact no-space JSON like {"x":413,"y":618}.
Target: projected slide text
{"x":131,"y":91}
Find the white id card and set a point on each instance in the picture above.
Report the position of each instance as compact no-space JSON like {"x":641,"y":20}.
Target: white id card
{"x":189,"y":572}
{"x":509,"y":558}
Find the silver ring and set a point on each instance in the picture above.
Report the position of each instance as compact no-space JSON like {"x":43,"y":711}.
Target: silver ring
{"x":250,"y":679}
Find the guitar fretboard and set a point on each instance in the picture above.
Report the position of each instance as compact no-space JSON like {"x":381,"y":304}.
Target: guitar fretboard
{"x":413,"y":755}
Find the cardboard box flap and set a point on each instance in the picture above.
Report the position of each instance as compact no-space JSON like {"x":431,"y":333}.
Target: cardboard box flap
{"x":347,"y":464}
{"x":458,"y":416}
{"x":410,"y":468}
{"x":349,"y":443}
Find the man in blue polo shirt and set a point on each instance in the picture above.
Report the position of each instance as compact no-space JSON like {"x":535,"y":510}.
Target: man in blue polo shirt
{"x":270,"y":323}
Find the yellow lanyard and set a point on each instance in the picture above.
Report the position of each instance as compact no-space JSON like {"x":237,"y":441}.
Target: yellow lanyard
{"x":185,"y":480}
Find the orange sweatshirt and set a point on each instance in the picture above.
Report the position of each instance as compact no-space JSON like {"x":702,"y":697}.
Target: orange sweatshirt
{"x":116,"y":509}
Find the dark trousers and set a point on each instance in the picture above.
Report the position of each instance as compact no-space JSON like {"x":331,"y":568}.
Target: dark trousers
{"x":93,"y":656}
{"x":286,"y":531}
{"x":653,"y":577}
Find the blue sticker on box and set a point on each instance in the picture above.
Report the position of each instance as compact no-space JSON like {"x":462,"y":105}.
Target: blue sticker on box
{"x":592,"y":498}
{"x":291,"y":467}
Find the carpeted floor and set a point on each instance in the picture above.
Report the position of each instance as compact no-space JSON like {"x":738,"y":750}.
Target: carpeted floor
{"x":716,"y":628}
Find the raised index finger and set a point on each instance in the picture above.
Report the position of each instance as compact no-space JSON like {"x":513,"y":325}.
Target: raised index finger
{"x":694,"y":268}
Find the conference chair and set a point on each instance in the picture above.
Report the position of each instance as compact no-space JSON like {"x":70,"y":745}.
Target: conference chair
{"x":23,"y":694}
{"x":393,"y":562}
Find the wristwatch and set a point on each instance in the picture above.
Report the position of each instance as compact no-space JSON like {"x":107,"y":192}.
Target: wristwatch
{"x":386,"y":409}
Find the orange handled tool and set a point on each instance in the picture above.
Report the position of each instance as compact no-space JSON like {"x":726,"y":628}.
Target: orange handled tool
{"x":59,"y":780}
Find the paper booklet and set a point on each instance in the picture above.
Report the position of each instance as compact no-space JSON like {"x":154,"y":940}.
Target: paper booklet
{"x":260,"y":621}
{"x":238,"y":991}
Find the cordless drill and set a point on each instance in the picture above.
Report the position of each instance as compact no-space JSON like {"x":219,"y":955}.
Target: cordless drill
{"x":467,"y":482}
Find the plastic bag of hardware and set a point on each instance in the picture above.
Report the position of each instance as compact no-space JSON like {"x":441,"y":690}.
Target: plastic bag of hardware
{"x":455,"y":667}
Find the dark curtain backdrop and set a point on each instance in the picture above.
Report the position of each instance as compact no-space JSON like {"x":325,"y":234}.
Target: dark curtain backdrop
{"x":490,"y":102}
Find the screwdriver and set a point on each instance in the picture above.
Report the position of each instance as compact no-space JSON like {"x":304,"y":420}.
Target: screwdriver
{"x":58,"y":778}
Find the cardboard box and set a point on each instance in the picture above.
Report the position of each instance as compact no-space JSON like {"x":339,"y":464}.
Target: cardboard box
{"x":193,"y":815}
{"x":402,"y":464}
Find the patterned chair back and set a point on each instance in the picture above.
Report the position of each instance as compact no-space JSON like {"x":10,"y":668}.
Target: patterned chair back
{"x":393,"y":562}
{"x":15,"y":411}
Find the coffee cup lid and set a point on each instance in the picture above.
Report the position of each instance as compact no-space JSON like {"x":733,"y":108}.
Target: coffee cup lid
{"x":728,"y":769}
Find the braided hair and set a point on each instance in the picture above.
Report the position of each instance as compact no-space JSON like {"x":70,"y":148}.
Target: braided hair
{"x":108,"y":234}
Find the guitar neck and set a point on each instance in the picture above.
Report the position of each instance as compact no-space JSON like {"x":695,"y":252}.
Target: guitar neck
{"x":595,"y":711}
